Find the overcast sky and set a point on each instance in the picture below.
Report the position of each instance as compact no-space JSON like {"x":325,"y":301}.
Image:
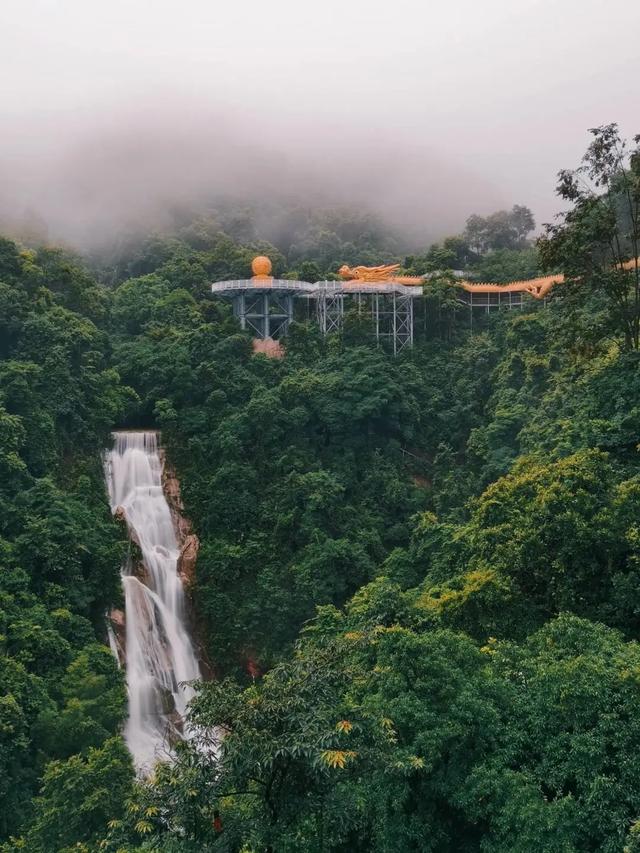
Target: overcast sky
{"x":429,"y":111}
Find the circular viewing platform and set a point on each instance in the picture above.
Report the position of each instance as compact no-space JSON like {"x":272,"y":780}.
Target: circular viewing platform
{"x":259,"y":285}
{"x":283,"y":285}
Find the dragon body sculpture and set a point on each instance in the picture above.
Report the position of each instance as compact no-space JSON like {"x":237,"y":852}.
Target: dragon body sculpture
{"x":536,"y":287}
{"x":381,"y":274}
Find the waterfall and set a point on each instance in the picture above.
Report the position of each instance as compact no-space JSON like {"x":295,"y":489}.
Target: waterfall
{"x":159,"y":651}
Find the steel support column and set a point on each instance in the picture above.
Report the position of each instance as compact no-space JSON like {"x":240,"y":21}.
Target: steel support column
{"x":402,"y":322}
{"x":266,"y":315}
{"x":330,"y":311}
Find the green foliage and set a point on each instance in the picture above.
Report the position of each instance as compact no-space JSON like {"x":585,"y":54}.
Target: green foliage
{"x":376,"y":729}
{"x":453,"y":253}
{"x":338,"y":747}
{"x":505,"y":265}
{"x":504,"y":229}
{"x":601,"y":230}
{"x":24,"y":698}
{"x":91,"y":704}
{"x":80,"y":797}
{"x":563,"y":781}
{"x":296,"y":490}
{"x":564,"y":533}
{"x":59,"y":548}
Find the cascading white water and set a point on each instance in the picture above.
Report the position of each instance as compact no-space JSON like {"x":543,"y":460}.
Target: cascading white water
{"x":159,"y":651}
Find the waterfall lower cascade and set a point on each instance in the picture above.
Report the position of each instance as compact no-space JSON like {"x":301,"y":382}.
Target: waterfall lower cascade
{"x":159,"y":651}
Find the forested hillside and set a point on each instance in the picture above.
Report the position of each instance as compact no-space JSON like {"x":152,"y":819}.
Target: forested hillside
{"x":418,"y":585}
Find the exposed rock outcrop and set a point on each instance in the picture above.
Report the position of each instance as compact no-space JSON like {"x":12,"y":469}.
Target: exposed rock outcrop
{"x":187,"y":559}
{"x":118,"y":626}
{"x":187,"y":539}
{"x":189,"y":545}
{"x":120,"y":514}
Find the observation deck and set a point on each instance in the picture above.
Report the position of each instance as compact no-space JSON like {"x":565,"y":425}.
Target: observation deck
{"x":265,"y":305}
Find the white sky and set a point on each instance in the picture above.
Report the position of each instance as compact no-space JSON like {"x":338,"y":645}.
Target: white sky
{"x":474,"y":103}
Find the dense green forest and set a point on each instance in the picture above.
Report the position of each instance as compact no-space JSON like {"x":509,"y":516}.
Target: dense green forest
{"x":419,"y":577}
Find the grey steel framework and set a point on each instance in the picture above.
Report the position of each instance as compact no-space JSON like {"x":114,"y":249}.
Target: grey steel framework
{"x":394,"y":319}
{"x":267,"y":315}
{"x":263,"y":307}
{"x":493,"y":300}
{"x":329,"y":310}
{"x":391,"y":311}
{"x":266,"y":307}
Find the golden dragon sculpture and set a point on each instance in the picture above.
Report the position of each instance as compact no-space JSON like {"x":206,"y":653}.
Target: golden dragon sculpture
{"x":536,"y":287}
{"x":381,"y":274}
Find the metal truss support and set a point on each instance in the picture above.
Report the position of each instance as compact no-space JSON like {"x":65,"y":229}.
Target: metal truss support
{"x":266,"y":315}
{"x":392,"y":317}
{"x":402,"y":322}
{"x":375,"y":315}
{"x":330,"y":311}
{"x":489,"y":302}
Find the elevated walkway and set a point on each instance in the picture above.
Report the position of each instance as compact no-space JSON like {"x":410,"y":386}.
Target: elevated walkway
{"x":265,"y":305}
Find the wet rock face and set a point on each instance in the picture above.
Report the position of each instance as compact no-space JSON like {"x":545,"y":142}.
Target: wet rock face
{"x":188,"y":543}
{"x":171,"y":487}
{"x":187,"y":539}
{"x":187,"y":559}
{"x":120,"y":514}
{"x":117,"y":619}
{"x":118,"y":625}
{"x":167,"y":702}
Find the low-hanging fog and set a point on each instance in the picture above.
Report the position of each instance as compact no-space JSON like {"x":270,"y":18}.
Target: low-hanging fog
{"x":115,"y":115}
